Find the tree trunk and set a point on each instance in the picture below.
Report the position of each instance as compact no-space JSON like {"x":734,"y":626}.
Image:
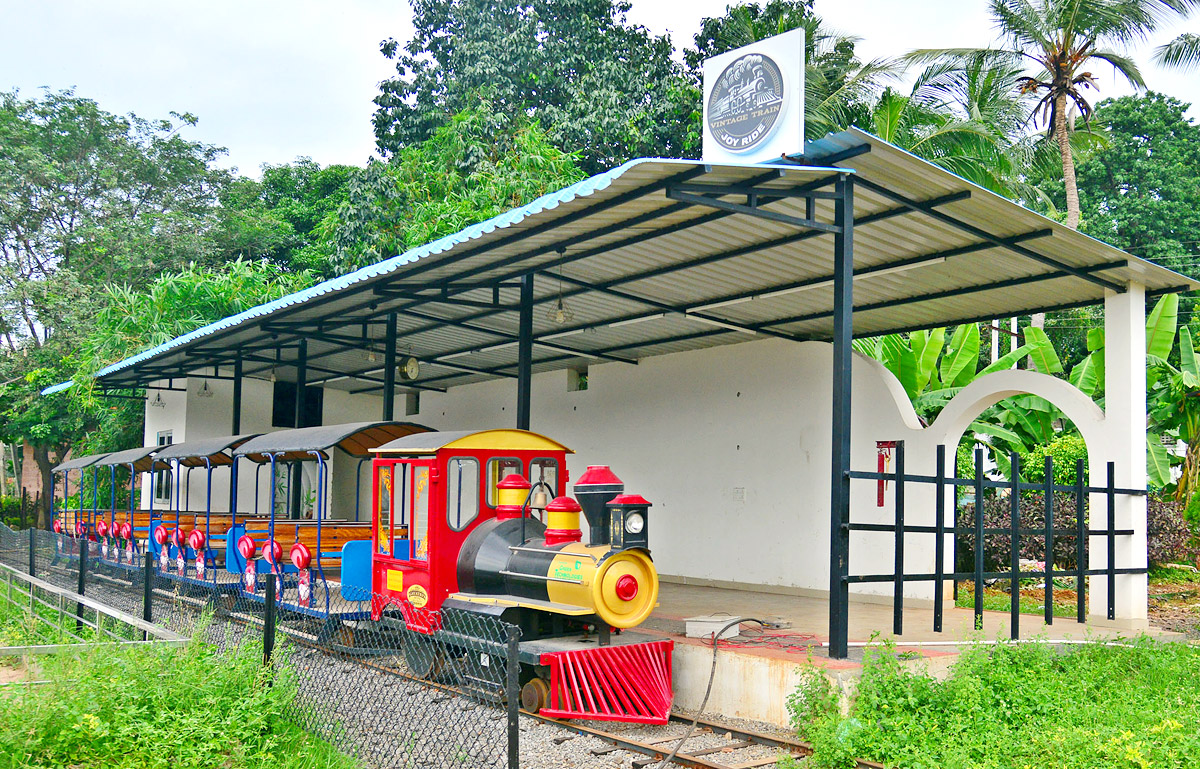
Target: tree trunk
{"x":1068,"y":163}
{"x":41,"y":455}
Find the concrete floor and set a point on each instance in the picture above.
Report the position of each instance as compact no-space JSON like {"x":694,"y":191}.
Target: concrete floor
{"x":756,"y":671}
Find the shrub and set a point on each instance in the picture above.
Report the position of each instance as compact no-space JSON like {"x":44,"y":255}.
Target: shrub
{"x":1169,"y":537}
{"x":1065,"y":451}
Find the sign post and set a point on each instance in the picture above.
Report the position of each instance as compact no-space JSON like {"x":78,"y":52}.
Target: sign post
{"x":754,"y":101}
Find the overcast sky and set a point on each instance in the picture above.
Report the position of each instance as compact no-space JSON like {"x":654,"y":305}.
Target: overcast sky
{"x":271,"y":80}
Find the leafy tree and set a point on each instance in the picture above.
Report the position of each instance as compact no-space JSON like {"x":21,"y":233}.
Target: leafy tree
{"x":1061,"y":39}
{"x":478,"y":165}
{"x":599,"y":86}
{"x":278,"y":218}
{"x":88,"y":197}
{"x":1141,"y":192}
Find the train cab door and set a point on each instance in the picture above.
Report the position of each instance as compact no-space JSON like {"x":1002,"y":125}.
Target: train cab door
{"x":401,"y":532}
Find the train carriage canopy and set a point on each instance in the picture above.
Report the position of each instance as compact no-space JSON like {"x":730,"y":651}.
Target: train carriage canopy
{"x":356,"y":439}
{"x":142,"y":458}
{"x":471,"y":440}
{"x":218,"y":451}
{"x":79,"y":463}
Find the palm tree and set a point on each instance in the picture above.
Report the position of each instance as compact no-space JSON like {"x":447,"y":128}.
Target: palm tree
{"x":1182,"y":52}
{"x":1063,"y":39}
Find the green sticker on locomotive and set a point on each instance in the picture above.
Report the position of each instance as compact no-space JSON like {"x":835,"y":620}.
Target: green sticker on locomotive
{"x":571,"y":571}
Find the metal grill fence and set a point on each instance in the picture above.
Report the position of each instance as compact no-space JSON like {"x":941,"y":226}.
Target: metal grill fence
{"x":968,"y":529}
{"x":376,"y":690}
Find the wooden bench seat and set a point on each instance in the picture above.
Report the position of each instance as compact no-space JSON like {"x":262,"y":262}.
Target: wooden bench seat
{"x":334,"y":534}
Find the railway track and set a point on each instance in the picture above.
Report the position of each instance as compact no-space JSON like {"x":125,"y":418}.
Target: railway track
{"x":712,"y":745}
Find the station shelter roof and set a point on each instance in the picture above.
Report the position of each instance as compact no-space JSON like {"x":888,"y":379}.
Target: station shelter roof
{"x":356,"y":439}
{"x":663,"y":256}
{"x":218,"y":451}
{"x":500,"y":439}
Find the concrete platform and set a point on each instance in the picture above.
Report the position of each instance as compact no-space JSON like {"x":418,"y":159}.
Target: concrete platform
{"x":757,"y":670}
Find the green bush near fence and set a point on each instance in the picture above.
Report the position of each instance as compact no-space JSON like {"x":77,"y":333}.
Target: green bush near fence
{"x":173,"y":708}
{"x":1131,"y":705}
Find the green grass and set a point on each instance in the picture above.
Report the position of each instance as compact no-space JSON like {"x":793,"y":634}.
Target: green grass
{"x":173,"y":708}
{"x":1015,"y":706}
{"x":1031,"y":601}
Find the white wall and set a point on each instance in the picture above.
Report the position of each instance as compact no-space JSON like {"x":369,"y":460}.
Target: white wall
{"x":730,"y":444}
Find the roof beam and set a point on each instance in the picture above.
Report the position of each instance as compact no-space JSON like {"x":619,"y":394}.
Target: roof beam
{"x":830,"y":159}
{"x":950,"y":293}
{"x":985,"y":235}
{"x":750,"y":209}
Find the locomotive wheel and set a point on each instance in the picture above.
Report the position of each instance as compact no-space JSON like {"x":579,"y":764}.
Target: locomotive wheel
{"x":424,"y":659}
{"x":535,"y":694}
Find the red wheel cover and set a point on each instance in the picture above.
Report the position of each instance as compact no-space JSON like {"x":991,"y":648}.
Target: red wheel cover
{"x":272,"y":551}
{"x":102,"y":528}
{"x":126,"y":531}
{"x":197,"y":539}
{"x":301,"y":556}
{"x":79,"y":529}
{"x":58,"y":527}
{"x":160,"y":535}
{"x":246,"y":546}
{"x":177,"y":537}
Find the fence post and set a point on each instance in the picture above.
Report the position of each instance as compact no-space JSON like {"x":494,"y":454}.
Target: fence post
{"x":269,"y":620}
{"x":939,"y":547}
{"x":24,"y":496}
{"x":898,"y":585}
{"x":1049,"y":556}
{"x":32,"y":549}
{"x":84,"y":548}
{"x":979,"y":539}
{"x":1111,"y":492}
{"x":513,"y":687}
{"x":147,"y":586}
{"x":1014,"y":549}
{"x":1080,"y":545}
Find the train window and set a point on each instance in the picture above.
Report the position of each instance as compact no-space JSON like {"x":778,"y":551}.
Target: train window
{"x":384,"y":533}
{"x":420,"y":513}
{"x":546,"y":471}
{"x":462,"y":492}
{"x":499,"y":468}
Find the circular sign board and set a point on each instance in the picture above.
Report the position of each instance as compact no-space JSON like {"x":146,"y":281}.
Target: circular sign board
{"x":745,"y":102}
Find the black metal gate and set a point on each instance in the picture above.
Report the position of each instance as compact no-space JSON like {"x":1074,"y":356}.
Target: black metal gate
{"x":971,"y":528}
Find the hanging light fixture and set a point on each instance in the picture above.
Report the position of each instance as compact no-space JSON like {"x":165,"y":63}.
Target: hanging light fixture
{"x":560,"y":313}
{"x":205,"y":391}
{"x":158,"y":402}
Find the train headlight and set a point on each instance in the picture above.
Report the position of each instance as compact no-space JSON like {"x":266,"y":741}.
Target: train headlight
{"x":634,"y":523}
{"x":627,"y":521}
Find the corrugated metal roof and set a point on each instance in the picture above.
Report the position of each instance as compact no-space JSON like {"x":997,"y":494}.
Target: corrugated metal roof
{"x":215,"y":450}
{"x":643,"y":272}
{"x":356,"y":439}
{"x":78,"y":463}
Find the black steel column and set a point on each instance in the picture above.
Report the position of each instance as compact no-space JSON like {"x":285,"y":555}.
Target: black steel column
{"x":295,"y":476}
{"x":236,"y":428}
{"x":389,"y":369}
{"x":525,"y":352}
{"x":839,"y":497}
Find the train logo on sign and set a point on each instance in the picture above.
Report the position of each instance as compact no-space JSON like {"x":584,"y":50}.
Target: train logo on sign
{"x":417,"y":596}
{"x":745,"y":103}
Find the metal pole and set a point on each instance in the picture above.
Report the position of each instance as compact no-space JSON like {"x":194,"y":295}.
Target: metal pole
{"x":839,"y":501}
{"x":147,"y":586}
{"x":1048,"y":520}
{"x":236,"y":426}
{"x":898,"y":585}
{"x":1111,"y":494}
{"x":1014,"y":549}
{"x":1080,"y":546}
{"x":83,"y":559}
{"x":32,"y":546}
{"x":269,"y":620}
{"x":513,"y":686}
{"x":389,"y":369}
{"x":978,"y":538}
{"x":525,"y":352}
{"x":939,"y":547}
{"x":295,"y":479}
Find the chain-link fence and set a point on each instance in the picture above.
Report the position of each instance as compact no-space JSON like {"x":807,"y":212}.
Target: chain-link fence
{"x":395,"y":686}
